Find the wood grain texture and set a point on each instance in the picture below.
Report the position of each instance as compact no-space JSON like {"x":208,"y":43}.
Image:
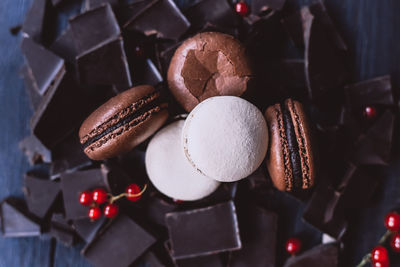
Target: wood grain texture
{"x":371,"y":29}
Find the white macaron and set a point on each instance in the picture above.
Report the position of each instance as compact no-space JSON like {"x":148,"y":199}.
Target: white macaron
{"x":168,"y":169}
{"x":225,"y":138}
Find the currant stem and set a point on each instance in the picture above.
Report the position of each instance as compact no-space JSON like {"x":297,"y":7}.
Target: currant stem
{"x":115,"y":198}
{"x":367,"y":258}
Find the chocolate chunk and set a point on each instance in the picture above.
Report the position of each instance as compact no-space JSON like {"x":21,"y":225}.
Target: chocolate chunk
{"x":15,"y":221}
{"x":259,"y":6}
{"x":326,"y":212}
{"x":47,"y":69}
{"x":132,"y":242}
{"x":377,"y":91}
{"x":72,"y":184}
{"x":40,"y":194}
{"x":216,"y":12}
{"x":68,"y":156}
{"x":93,"y":28}
{"x":323,"y":255}
{"x":258,"y":232}
{"x":34,"y":150}
{"x":217,"y":235}
{"x":34,"y":20}
{"x":61,"y":230}
{"x":64,"y":46}
{"x":33,"y":95}
{"x":87,"y":229}
{"x":162,"y":18}
{"x":105,"y":65}
{"x":375,"y":146}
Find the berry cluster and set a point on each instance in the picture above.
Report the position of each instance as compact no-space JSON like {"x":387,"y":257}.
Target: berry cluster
{"x":379,"y":255}
{"x":99,"y":196}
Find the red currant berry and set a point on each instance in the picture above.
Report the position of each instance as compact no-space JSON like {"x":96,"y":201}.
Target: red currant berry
{"x":293,"y":246}
{"x":392,"y":221}
{"x":242,"y":8}
{"x":395,"y":243}
{"x":370,"y":112}
{"x":94,"y":213}
{"x":111,"y":210}
{"x":380,"y":264}
{"x":99,"y":195}
{"x":85,"y":198}
{"x":379,"y":254}
{"x":132,"y":190}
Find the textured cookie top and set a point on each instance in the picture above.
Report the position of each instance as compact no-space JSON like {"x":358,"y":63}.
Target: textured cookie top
{"x":208,"y":64}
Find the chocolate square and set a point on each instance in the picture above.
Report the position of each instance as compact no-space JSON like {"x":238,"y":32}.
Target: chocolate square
{"x":34,"y":150}
{"x":33,"y":95}
{"x":34,"y":20}
{"x":93,"y":28}
{"x":258,"y":232}
{"x":72,"y":184}
{"x":15,"y":221}
{"x":88,"y":229}
{"x":64,"y":46}
{"x":326,"y":255}
{"x":203,"y":231}
{"x":105,"y":65}
{"x":162,"y":18}
{"x":216,"y":12}
{"x":127,"y":241}
{"x":40,"y":194}
{"x":46,"y":68}
{"x":61,"y":230}
{"x":376,"y":91}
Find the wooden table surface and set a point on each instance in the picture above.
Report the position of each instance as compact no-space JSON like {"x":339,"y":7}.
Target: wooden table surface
{"x":371,"y":29}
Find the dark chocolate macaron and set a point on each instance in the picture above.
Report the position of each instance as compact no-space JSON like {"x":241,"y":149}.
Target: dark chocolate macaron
{"x":123,"y":122}
{"x":208,"y":64}
{"x":291,"y":158}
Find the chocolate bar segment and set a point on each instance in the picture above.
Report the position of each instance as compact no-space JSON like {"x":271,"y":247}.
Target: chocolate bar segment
{"x":162,"y":18}
{"x":46,"y":68}
{"x":15,"y":221}
{"x":93,"y":28}
{"x":105,"y":65}
{"x":72,"y":184}
{"x":203,"y":231}
{"x":323,"y":255}
{"x":64,"y":46}
{"x":124,"y":238}
{"x":40,"y":194}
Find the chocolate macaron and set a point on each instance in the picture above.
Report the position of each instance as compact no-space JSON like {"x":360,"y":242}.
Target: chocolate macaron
{"x":123,"y":122}
{"x":291,"y":158}
{"x":208,"y":64}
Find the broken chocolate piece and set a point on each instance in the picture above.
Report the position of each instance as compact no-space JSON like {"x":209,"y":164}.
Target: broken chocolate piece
{"x":377,"y":91}
{"x":64,"y":46}
{"x":375,"y":146}
{"x":33,"y":95}
{"x":34,"y":20}
{"x":216,"y":12}
{"x":105,"y":65}
{"x":46,"y":68}
{"x":162,"y":18}
{"x":87,"y":229}
{"x":217,"y":235}
{"x":68,"y":156}
{"x":132,"y":242}
{"x":40,"y":194}
{"x":323,"y":255}
{"x":15,"y":221}
{"x":72,"y":184}
{"x":34,"y":150}
{"x":61,"y":230}
{"x":258,"y":232}
{"x":93,"y":28}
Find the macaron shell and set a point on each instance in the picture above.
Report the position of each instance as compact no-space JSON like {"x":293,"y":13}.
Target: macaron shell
{"x":225,"y":138}
{"x":303,"y":135}
{"x":169,"y":170}
{"x":278,"y":161}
